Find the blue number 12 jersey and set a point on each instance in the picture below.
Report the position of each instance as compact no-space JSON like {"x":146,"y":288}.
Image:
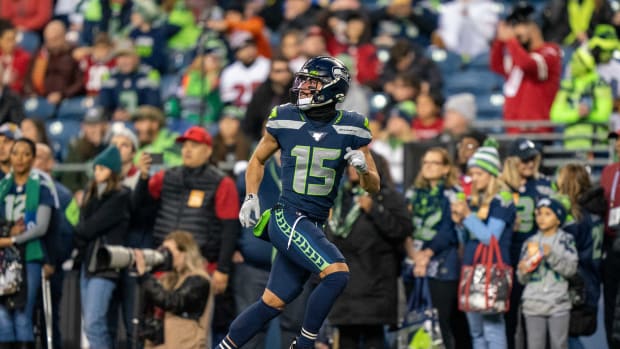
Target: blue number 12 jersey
{"x":312,"y":155}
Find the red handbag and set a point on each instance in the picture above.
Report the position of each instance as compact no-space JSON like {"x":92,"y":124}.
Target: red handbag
{"x":485,"y":285}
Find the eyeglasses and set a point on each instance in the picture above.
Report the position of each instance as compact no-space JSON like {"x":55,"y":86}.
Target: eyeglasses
{"x":434,"y":163}
{"x":468,"y":146}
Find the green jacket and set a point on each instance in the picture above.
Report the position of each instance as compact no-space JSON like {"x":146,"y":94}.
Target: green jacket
{"x":165,"y":143}
{"x":590,"y":89}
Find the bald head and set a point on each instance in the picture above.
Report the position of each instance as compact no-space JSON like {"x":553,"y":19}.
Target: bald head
{"x":54,"y":35}
{"x":44,"y":159}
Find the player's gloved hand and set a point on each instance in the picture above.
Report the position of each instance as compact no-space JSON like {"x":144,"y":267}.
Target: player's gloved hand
{"x":356,"y":159}
{"x":250,"y":206}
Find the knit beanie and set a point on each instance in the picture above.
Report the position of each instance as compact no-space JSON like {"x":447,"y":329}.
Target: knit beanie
{"x":462,"y":103}
{"x":147,"y":9}
{"x":121,"y":130}
{"x":110,"y":158}
{"x":556,"y":206}
{"x":487,"y":158}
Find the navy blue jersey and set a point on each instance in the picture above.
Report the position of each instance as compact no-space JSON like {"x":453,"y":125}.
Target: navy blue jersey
{"x":525,"y":201}
{"x":313,"y":155}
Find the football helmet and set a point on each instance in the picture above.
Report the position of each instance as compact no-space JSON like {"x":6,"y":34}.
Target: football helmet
{"x":334,"y":81}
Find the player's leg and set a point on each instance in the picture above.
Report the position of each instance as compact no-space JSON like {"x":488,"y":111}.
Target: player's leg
{"x":285,"y":284}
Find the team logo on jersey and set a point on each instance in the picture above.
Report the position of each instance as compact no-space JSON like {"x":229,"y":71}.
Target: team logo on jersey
{"x":317,"y":136}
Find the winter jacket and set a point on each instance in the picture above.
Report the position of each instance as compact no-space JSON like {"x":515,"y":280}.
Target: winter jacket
{"x":54,"y":71}
{"x":188,"y":309}
{"x":373,"y":256}
{"x":434,"y":229}
{"x":588,"y":89}
{"x":105,"y":219}
{"x":546,"y":288}
{"x":32,"y":15}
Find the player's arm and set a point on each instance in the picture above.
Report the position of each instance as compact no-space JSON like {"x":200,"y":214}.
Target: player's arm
{"x":369,"y":180}
{"x":256,"y":166}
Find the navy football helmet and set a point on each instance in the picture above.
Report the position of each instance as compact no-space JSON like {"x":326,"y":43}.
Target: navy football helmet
{"x":334,"y":78}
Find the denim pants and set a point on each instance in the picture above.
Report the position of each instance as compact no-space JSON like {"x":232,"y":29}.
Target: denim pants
{"x":16,"y":325}
{"x":488,"y":331}
{"x":96,"y":295}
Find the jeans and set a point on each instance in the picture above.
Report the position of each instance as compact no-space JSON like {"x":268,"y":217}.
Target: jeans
{"x":16,"y":325}
{"x":96,"y":294}
{"x":488,"y":331}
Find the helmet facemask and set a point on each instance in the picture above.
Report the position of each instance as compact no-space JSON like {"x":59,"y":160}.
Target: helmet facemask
{"x":307,"y":89}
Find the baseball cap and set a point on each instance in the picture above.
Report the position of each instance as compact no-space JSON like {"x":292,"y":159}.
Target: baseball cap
{"x":523,"y":148}
{"x":196,"y":134}
{"x":94,"y":116}
{"x":10,"y":130}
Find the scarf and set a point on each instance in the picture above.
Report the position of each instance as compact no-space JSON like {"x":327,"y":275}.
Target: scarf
{"x":34,"y":249}
{"x":339,"y":223}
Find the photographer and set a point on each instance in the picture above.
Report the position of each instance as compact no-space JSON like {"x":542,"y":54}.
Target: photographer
{"x":183,"y":293}
{"x":104,"y":219}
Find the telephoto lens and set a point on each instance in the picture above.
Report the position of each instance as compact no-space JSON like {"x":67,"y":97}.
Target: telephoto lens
{"x":119,"y":257}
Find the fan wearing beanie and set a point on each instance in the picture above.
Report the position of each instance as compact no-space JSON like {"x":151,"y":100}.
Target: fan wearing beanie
{"x":548,"y":259}
{"x":489,"y":212}
{"x":104,"y":219}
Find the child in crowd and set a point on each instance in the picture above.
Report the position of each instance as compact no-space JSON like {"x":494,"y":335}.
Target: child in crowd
{"x":548,"y":259}
{"x":428,"y":123}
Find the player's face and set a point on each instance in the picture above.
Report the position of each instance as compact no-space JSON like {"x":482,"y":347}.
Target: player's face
{"x":433,"y":166}
{"x":527,"y":167}
{"x":545,"y":218}
{"x":480,"y":179}
{"x":307,"y":86}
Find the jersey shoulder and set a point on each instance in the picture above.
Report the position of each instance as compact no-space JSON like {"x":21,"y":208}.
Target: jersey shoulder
{"x":352,"y":123}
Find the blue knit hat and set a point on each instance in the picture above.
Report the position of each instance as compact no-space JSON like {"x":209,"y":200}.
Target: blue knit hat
{"x":555,"y":205}
{"x":110,"y":158}
{"x":487,"y":158}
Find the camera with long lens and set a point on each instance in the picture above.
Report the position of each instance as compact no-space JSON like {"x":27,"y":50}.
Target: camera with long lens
{"x":119,"y":257}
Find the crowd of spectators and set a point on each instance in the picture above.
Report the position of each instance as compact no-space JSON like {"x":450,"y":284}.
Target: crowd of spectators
{"x":172,"y":96}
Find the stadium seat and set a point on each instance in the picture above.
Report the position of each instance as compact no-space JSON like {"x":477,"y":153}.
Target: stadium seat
{"x":476,"y":82}
{"x":169,"y":85}
{"x":490,"y":106}
{"x":448,"y":62}
{"x":39,"y":108}
{"x":479,"y":62}
{"x":61,"y":133}
{"x":29,"y":41}
{"x":75,"y":108}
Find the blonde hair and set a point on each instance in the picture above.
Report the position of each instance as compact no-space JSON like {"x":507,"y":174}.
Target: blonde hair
{"x":575,"y":180}
{"x":510,"y":174}
{"x":450,"y":179}
{"x":482,"y":199}
{"x":194,"y":263}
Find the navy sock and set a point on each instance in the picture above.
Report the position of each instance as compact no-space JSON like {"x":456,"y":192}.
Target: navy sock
{"x":319,"y":304}
{"x":247,"y":324}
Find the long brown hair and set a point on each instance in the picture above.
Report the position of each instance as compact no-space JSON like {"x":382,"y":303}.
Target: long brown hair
{"x":194,"y":263}
{"x":113,"y":183}
{"x":574,"y":181}
{"x":450,"y":180}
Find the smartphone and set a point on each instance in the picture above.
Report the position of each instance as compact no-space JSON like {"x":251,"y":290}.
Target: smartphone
{"x":157,"y":163}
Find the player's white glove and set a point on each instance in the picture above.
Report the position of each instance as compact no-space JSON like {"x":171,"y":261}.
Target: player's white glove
{"x":356,"y":159}
{"x":250,"y":206}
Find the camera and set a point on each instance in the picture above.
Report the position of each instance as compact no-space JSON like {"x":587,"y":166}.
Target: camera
{"x":119,"y":257}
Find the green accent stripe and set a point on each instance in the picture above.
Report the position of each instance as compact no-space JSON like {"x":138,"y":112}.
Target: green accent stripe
{"x":300,"y":241}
